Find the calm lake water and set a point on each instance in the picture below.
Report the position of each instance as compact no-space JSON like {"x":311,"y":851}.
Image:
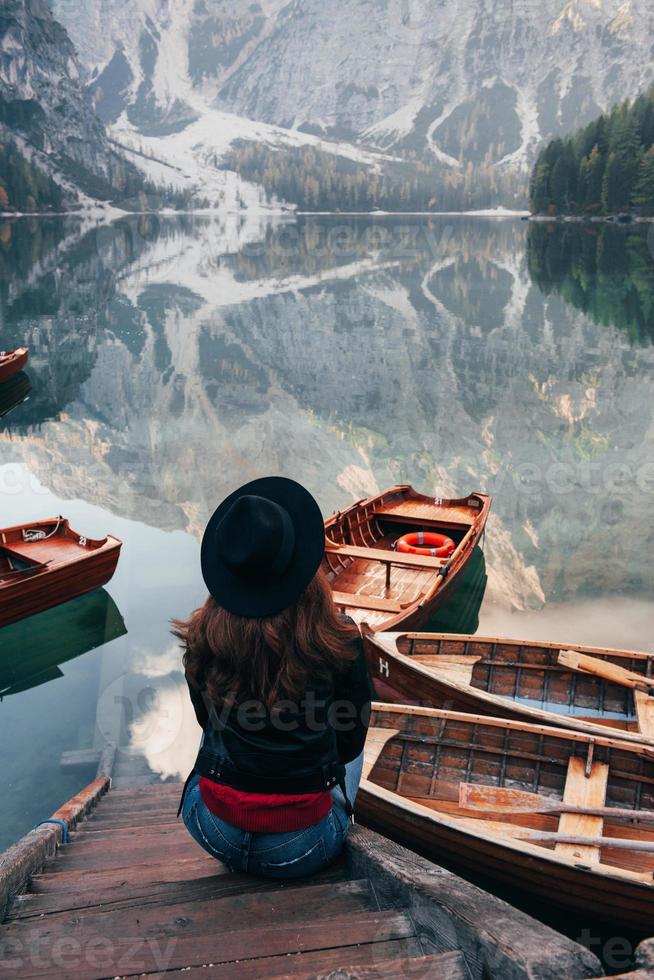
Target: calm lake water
{"x":173,"y":359}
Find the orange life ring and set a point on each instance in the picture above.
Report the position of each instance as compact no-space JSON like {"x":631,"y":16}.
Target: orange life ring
{"x":437,"y":545}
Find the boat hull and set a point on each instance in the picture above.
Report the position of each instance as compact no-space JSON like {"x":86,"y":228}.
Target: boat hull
{"x":417,"y":759}
{"x":60,"y":566}
{"x":401,"y":680}
{"x":628,"y":905}
{"x":377,"y":585}
{"x":13,"y":363}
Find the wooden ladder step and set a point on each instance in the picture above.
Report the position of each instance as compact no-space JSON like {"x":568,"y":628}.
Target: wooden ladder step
{"x":166,"y":870}
{"x":446,"y":966}
{"x":109,"y":833}
{"x":123,"y":891}
{"x":311,"y":964}
{"x":122,"y":956}
{"x":128,"y":820}
{"x":282,"y":907}
{"x":122,"y":853}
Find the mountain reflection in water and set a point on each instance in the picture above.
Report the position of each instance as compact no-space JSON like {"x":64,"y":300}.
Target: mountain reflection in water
{"x":172,"y":359}
{"x":177,"y":358}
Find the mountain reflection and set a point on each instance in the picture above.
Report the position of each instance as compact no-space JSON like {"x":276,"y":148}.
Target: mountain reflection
{"x":180,"y":357}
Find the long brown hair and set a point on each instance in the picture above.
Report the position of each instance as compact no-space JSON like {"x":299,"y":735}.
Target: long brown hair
{"x":268,"y":659}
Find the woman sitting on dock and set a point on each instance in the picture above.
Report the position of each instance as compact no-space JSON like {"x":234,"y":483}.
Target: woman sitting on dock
{"x":280,"y":687}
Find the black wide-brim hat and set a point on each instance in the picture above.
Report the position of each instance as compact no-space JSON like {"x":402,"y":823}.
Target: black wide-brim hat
{"x":262,"y":547}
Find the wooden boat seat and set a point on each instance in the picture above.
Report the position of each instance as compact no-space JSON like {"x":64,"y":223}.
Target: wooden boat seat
{"x":455,"y":667}
{"x":645,"y":713}
{"x":585,"y":787}
{"x":40,"y":551}
{"x":388,"y":557}
{"x":415,"y":512}
{"x":355,"y":601}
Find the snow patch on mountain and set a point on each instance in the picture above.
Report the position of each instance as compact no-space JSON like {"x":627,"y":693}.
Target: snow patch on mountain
{"x":191,"y":159}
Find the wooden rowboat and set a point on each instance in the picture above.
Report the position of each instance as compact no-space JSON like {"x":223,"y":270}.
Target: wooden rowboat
{"x":11,"y":362}
{"x":561,"y":815}
{"x":46,"y":563}
{"x":530,"y":681}
{"x":386,"y":588}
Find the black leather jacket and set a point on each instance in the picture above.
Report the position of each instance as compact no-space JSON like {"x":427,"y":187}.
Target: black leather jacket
{"x":301,"y":748}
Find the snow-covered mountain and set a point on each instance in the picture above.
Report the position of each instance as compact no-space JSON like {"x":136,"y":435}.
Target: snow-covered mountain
{"x":456,"y":94}
{"x":480,"y":81}
{"x":47,"y":115}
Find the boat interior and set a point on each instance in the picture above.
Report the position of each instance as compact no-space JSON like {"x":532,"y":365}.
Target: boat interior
{"x":32,"y":548}
{"x":367,"y":575}
{"x":532,"y":675}
{"x":427,"y":760}
{"x":14,"y":566}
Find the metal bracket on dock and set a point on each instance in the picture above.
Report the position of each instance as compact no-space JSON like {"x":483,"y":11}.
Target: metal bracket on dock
{"x":64,"y":828}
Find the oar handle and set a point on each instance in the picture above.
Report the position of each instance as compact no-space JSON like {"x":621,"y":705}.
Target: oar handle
{"x":622,"y":843}
{"x":581,"y":662}
{"x":489,"y":799}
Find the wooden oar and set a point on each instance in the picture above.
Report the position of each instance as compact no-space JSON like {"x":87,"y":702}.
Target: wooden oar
{"x":498,"y":799}
{"x":604,"y":668}
{"x":545,"y":837}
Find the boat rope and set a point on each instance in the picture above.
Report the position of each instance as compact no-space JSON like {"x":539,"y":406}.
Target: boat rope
{"x":34,"y":534}
{"x":64,"y":827}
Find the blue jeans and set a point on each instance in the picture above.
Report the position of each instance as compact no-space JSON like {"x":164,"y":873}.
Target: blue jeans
{"x":291,"y":854}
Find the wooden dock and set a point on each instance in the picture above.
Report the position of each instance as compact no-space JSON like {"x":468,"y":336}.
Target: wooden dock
{"x":131,"y":893}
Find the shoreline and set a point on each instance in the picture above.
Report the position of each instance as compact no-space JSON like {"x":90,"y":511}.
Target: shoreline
{"x":117,"y":214}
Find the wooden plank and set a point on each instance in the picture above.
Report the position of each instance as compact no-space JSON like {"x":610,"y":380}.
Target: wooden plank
{"x":173,"y":869}
{"x":605,"y":669}
{"x":133,"y":836}
{"x":474,"y":796}
{"x":98,"y":856}
{"x":453,"y":667}
{"x":498,"y":941}
{"x":376,"y":739}
{"x":124,"y":955}
{"x":145,"y":806}
{"x":399,"y":558}
{"x":281,"y":907}
{"x":586,"y":791}
{"x":447,"y":966}
{"x":138,"y":894}
{"x":576,"y":841}
{"x":357,"y":601}
{"x":645,"y":713}
{"x":131,"y":818}
{"x":103,"y":832}
{"x":307,"y":964}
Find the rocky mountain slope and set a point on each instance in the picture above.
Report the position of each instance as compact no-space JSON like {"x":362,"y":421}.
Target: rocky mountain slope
{"x":479,"y":83}
{"x":47,"y":117}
